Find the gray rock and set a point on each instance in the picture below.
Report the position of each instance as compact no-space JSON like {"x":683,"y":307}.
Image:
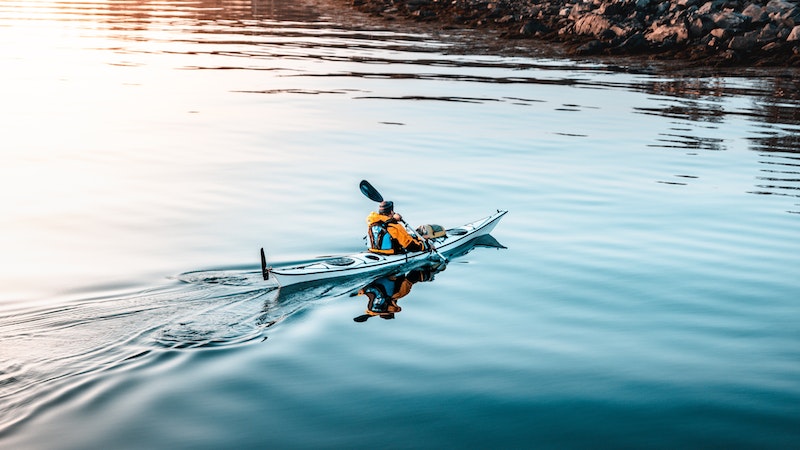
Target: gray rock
{"x":756,"y":13}
{"x":714,"y":42}
{"x":625,"y":31}
{"x":720,"y":33}
{"x":729,"y":19}
{"x":744,"y":42}
{"x":506,"y":19}
{"x":791,"y":17}
{"x":794,"y":35}
{"x":579,"y":10}
{"x":611,"y":9}
{"x":635,"y":43}
{"x":768,"y":34}
{"x":700,"y":27}
{"x":659,"y":34}
{"x":592,"y":25}
{"x":532,"y":27}
{"x":710,"y":7}
{"x":730,"y":56}
{"x":778,"y":6}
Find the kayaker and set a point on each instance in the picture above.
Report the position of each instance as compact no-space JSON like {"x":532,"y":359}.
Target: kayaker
{"x":386,"y":234}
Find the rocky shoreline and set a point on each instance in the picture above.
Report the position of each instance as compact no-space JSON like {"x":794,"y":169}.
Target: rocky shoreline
{"x":698,"y":32}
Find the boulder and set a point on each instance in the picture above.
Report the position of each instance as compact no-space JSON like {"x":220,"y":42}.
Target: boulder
{"x":579,"y":10}
{"x":791,"y":17}
{"x":611,"y":9}
{"x":699,"y":27}
{"x":756,"y":13}
{"x":777,"y":6}
{"x":720,"y":33}
{"x":729,"y":19}
{"x":592,"y":25}
{"x":662,"y":33}
{"x":744,"y":42}
{"x":712,"y":41}
{"x":768,"y":34}
{"x":624,"y":31}
{"x":730,"y":56}
{"x":506,"y":19}
{"x":532,"y":27}
{"x":794,"y":35}
{"x":635,"y":43}
{"x":710,"y":7}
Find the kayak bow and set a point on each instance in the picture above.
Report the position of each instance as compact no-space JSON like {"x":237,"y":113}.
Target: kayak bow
{"x":368,"y":262}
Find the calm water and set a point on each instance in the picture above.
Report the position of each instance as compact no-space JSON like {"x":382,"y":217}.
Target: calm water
{"x":647,"y":295}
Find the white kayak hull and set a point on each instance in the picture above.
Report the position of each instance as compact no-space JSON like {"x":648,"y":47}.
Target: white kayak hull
{"x":367,"y":262}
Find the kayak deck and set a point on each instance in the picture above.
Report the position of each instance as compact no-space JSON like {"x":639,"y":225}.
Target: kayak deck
{"x":365,"y":261}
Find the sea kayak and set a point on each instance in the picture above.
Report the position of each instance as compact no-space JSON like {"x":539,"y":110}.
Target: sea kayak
{"x":367,"y":262}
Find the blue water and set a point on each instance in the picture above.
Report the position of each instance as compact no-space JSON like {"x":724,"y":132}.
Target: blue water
{"x":647,"y":294}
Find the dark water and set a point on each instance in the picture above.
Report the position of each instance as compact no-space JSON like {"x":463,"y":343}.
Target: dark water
{"x":647,"y":294}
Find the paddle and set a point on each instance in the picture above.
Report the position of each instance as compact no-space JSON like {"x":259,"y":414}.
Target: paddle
{"x":264,"y":269}
{"x":371,"y":193}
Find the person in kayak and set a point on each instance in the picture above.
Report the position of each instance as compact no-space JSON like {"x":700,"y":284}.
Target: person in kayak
{"x":386,"y":234}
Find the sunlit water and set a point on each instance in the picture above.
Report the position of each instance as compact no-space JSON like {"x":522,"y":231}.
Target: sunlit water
{"x":647,"y":297}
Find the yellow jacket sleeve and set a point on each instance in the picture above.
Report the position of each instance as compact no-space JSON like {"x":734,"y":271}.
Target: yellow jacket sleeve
{"x":399,"y":232}
{"x":405,"y":288}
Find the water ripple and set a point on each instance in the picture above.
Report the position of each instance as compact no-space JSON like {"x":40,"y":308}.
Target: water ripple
{"x":52,"y":349}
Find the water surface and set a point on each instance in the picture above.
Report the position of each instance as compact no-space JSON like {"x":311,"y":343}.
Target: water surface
{"x":646,"y":295}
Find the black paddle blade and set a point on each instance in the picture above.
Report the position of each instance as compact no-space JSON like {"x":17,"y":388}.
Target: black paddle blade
{"x":264,"y":270}
{"x":370,"y":191}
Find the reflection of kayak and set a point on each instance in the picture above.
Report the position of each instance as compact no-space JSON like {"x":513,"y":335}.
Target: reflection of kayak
{"x":367,"y":262}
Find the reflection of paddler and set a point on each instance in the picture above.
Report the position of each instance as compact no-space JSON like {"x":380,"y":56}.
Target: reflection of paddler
{"x":384,"y":292}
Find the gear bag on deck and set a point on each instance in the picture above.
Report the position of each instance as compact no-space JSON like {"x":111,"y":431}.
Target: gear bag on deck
{"x":431,"y":231}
